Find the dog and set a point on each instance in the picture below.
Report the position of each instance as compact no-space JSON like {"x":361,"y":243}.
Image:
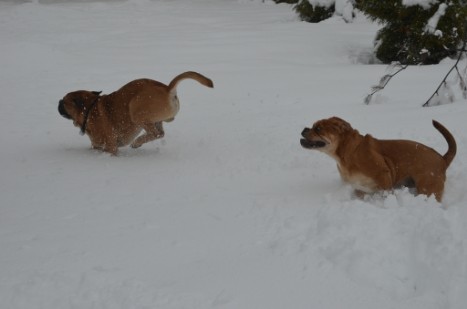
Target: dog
{"x":370,"y":165}
{"x":115,"y":120}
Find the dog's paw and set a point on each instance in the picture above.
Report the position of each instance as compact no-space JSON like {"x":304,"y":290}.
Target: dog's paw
{"x":135,"y":145}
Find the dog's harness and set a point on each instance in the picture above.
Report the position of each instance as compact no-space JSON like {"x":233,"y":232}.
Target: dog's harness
{"x":86,"y":115}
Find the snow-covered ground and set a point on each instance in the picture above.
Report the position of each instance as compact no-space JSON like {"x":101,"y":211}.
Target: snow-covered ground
{"x":227,"y":211}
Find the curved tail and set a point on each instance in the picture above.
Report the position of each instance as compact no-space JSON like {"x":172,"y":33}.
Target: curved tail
{"x":192,"y":75}
{"x":452,"y":146}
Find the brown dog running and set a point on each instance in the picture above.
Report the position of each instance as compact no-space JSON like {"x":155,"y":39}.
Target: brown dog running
{"x":116,"y":119}
{"x":370,"y":165}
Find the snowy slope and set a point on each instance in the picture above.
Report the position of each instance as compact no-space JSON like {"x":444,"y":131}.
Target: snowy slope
{"x":228,"y":211}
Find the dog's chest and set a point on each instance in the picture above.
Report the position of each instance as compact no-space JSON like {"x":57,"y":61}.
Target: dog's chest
{"x":357,"y":180}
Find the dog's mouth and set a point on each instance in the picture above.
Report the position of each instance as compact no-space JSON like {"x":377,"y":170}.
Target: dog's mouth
{"x":312,"y":144}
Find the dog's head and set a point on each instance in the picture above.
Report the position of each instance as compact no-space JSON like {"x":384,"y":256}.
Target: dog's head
{"x":325,"y":135}
{"x":74,"y":104}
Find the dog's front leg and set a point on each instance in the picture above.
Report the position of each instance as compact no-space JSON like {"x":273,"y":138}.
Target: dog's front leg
{"x":110,"y":148}
{"x":153,"y":131}
{"x":104,"y":145}
{"x":359,"y":194}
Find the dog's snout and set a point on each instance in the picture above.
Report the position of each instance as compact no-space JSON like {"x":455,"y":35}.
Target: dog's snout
{"x":305,"y":131}
{"x":62,"y":111}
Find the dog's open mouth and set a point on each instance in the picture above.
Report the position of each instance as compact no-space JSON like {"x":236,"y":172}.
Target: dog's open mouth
{"x":311,"y":144}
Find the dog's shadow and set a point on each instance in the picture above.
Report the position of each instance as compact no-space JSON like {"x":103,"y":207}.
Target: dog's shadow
{"x":124,"y":152}
{"x":128,"y":152}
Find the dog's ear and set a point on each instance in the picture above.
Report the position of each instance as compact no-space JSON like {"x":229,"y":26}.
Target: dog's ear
{"x":96,"y":92}
{"x":345,"y":126}
{"x":79,"y":103}
{"x":341,"y":124}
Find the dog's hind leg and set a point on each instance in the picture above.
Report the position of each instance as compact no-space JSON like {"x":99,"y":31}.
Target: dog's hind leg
{"x":429,"y":185}
{"x":153,"y":131}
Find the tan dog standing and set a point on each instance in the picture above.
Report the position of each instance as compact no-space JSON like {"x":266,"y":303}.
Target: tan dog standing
{"x":116,"y":119}
{"x":370,"y":165}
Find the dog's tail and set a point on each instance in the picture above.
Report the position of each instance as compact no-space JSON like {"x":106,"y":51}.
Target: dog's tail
{"x":192,"y":75}
{"x":452,"y":146}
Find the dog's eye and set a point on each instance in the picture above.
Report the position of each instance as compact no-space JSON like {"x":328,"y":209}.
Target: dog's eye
{"x":317,"y":129}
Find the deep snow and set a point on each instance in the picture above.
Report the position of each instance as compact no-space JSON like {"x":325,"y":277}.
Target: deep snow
{"x":228,"y":211}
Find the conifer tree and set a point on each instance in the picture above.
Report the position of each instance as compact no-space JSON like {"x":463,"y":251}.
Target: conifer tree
{"x":314,"y":11}
{"x":417,"y":32}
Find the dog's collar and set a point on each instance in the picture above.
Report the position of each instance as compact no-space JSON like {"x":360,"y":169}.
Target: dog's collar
{"x":86,"y":115}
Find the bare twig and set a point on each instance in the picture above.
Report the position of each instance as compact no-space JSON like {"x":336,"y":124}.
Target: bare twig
{"x":443,"y":82}
{"x":384,"y":81}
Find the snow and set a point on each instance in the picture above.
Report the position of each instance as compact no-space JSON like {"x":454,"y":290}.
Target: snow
{"x":323,"y":3}
{"x":432,"y":23}
{"x":423,"y":3}
{"x":343,"y":8}
{"x":227,"y":211}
